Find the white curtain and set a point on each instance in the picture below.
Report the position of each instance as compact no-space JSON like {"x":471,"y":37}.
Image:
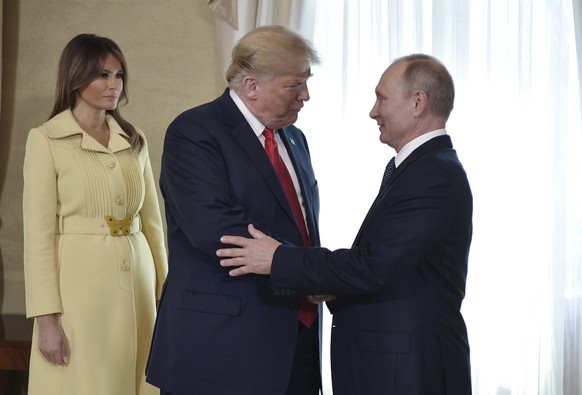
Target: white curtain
{"x":578,"y":30}
{"x":516,"y":127}
{"x":235,"y":18}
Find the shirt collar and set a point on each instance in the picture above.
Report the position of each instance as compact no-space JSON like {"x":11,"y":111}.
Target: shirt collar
{"x":414,"y":144}
{"x":64,"y":125}
{"x":256,"y":125}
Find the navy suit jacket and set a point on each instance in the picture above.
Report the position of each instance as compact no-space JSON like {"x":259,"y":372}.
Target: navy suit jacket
{"x":217,"y":334}
{"x":397,"y":326}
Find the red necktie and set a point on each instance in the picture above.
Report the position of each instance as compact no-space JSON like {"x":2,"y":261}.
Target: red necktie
{"x":307,"y":311}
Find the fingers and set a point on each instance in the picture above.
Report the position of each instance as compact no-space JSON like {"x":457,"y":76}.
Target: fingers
{"x":240,"y":241}
{"x":257,"y":234}
{"x":234,"y":258}
{"x":52,"y":341}
{"x":56,"y":357}
{"x":316,"y":299}
{"x":230,"y":262}
{"x":239,"y":271}
{"x":248,"y":255}
{"x":234,"y":240}
{"x":229,"y":252}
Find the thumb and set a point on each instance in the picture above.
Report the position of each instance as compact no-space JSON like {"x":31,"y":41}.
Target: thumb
{"x":257,"y":234}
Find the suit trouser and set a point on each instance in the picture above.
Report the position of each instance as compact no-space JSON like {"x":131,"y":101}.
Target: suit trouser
{"x":305,"y":376}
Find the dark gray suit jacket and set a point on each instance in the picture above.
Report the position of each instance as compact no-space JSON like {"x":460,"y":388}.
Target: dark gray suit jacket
{"x":217,"y":334}
{"x":397,"y":326}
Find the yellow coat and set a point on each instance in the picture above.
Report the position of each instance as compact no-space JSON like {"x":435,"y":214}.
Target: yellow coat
{"x":104,"y":286}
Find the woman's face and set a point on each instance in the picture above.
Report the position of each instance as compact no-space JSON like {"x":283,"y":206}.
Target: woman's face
{"x":104,"y":91}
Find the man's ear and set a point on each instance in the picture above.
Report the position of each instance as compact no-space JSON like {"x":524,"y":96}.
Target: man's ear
{"x":250,"y":87}
{"x":420,"y":102}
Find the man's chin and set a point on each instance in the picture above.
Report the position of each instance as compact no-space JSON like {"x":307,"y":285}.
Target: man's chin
{"x":290,"y":120}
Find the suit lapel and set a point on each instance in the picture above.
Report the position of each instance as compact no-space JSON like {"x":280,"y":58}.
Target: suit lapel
{"x":298,"y":159}
{"x":435,"y":143}
{"x":245,"y":137}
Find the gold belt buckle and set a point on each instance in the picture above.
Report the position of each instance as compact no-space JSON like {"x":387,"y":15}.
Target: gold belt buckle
{"x":119,"y":227}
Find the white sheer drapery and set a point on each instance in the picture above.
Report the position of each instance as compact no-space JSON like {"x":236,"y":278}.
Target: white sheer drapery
{"x":578,"y":30}
{"x":235,"y":18}
{"x":516,"y":126}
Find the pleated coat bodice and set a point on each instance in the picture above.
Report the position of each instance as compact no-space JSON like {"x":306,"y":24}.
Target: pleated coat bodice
{"x":103,"y":286}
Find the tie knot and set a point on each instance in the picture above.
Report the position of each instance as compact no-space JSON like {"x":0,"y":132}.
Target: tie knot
{"x":269,"y":133}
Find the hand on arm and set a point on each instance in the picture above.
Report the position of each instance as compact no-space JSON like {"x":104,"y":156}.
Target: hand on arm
{"x":52,"y":341}
{"x":250,"y":255}
{"x":255,"y":256}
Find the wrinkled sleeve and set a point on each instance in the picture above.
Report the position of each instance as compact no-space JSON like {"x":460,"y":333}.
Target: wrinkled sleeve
{"x":39,"y":218}
{"x":152,"y":224}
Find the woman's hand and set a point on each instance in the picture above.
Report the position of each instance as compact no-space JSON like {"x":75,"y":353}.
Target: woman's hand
{"x":52,"y":341}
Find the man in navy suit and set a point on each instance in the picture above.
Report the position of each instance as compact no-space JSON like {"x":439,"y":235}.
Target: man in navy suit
{"x":397,"y":325}
{"x":217,"y":334}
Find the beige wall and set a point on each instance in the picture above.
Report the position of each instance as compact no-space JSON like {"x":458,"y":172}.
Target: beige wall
{"x":173,"y":65}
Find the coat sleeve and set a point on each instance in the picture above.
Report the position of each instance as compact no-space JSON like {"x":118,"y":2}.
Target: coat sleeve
{"x":196,"y":184}
{"x":39,"y":218}
{"x":152,"y":223}
{"x":401,"y":233}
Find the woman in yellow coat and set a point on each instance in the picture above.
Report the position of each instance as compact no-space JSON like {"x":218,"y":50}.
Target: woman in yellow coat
{"x":95,"y":259}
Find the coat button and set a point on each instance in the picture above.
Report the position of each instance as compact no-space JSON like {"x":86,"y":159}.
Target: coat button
{"x":119,"y":200}
{"x":125,"y":267}
{"x":112,"y":165}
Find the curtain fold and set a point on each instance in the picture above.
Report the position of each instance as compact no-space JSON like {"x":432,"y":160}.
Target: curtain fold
{"x":516,"y":126}
{"x":577,"y":8}
{"x":227,"y":10}
{"x":243,"y":16}
{"x":517,"y":68}
{"x":236,"y":18}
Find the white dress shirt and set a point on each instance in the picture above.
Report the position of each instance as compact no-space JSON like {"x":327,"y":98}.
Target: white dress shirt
{"x":258,"y":128}
{"x":414,"y":144}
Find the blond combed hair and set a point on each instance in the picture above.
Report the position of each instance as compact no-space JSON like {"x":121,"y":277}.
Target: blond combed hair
{"x":273,"y":50}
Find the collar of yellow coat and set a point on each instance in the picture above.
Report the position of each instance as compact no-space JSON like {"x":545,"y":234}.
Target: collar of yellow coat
{"x":64,"y":125}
